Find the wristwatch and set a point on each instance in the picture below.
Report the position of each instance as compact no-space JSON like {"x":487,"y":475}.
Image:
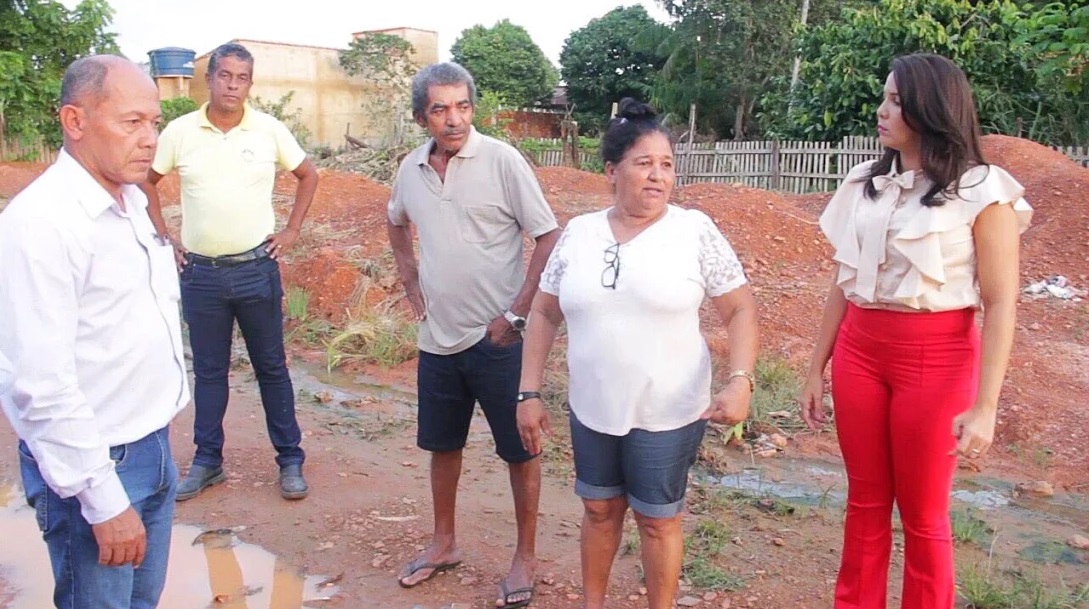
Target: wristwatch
{"x":527,"y":395}
{"x":516,"y":321}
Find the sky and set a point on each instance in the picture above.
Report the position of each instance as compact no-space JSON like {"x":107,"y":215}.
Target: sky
{"x":201,"y":25}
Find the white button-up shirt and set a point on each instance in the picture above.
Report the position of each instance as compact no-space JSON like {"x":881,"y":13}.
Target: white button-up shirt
{"x":89,"y":323}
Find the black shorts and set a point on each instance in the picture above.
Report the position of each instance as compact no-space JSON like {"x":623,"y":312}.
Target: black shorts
{"x":449,"y":387}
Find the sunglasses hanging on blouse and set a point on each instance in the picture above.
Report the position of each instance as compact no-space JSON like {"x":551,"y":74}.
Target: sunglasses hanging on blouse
{"x":612,"y":271}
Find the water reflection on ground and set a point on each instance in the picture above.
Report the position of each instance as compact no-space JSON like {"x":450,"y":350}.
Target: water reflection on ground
{"x":207,"y":568}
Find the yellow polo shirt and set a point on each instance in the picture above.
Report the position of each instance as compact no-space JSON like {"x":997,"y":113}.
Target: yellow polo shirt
{"x":226,"y":178}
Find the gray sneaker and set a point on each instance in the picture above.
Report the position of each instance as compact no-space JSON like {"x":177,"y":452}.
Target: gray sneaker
{"x":198,"y":479}
{"x":292,"y":483}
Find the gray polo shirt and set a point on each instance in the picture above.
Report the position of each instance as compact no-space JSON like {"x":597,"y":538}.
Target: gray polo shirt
{"x":470,"y":231}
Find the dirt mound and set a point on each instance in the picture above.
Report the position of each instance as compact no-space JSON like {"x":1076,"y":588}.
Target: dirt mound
{"x":784,"y":256}
{"x":566,"y":179}
{"x":16,"y":176}
{"x":1058,"y":189}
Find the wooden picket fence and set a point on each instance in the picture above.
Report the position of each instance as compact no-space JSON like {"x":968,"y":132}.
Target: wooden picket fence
{"x":795,"y":167}
{"x":15,"y":150}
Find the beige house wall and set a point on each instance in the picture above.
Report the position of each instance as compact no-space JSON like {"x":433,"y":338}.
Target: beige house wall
{"x":331,"y":101}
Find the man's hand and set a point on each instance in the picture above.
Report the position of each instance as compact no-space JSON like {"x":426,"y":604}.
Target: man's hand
{"x":731,"y":405}
{"x":416,"y":300}
{"x":121,"y":540}
{"x":501,"y":333}
{"x":279,"y":243}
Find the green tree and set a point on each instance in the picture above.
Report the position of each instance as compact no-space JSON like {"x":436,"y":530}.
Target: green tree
{"x":175,"y":107}
{"x":38,"y":40}
{"x":385,"y":61}
{"x":723,"y":55}
{"x":603,"y":62}
{"x":1004,"y":51}
{"x":504,"y":59}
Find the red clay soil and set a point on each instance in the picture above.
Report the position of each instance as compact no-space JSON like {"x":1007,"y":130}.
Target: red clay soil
{"x":787,"y":261}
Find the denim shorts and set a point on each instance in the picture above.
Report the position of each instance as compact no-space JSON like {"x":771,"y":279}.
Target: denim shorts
{"x":650,"y":467}
{"x":450,"y":386}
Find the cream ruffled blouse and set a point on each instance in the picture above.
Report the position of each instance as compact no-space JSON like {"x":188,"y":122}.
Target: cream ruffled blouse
{"x":895,"y":252}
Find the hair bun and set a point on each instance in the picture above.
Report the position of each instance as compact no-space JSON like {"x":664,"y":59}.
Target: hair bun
{"x":633,"y":109}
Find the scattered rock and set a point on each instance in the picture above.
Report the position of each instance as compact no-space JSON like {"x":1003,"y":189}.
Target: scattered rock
{"x":1079,"y":542}
{"x":1038,"y":488}
{"x":633,"y":597}
{"x":571,"y":596}
{"x":688,"y":601}
{"x":726,"y":603}
{"x":778,"y":541}
{"x":642,"y":591}
{"x":710,"y":596}
{"x":468,"y":581}
{"x":779,"y":440}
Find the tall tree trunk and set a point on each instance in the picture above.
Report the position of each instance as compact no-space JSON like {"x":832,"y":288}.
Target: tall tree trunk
{"x":739,"y":117}
{"x":798,"y":58}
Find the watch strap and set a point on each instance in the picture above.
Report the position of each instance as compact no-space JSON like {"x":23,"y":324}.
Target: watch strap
{"x":527,"y":395}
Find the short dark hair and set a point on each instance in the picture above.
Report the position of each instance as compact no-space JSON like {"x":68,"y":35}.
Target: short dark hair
{"x":84,"y":81}
{"x":231,"y":49}
{"x":439,"y":74}
{"x":633,"y":120}
{"x":936,"y":102}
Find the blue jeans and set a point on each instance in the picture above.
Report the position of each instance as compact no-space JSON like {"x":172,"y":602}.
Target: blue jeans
{"x":213,"y":297}
{"x":147,"y":471}
{"x":650,"y":467}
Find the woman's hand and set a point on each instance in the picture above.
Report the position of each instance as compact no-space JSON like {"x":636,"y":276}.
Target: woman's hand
{"x":532,"y":422}
{"x":731,"y":405}
{"x":974,"y":431}
{"x":811,"y":402}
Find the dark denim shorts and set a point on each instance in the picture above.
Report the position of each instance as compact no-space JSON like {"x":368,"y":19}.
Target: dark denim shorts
{"x":650,"y":467}
{"x":449,"y":387}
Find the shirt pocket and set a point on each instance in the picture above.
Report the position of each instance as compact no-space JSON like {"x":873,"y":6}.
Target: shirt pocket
{"x":483,"y":223}
{"x":164,"y":273}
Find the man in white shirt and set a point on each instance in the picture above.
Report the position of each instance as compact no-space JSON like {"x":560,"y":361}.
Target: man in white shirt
{"x":89,"y":321}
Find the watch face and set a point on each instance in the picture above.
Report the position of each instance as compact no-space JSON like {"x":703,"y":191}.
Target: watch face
{"x":519,"y":323}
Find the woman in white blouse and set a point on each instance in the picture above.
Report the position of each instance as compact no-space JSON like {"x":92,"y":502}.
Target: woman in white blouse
{"x":629,"y":281}
{"x":923,"y":238}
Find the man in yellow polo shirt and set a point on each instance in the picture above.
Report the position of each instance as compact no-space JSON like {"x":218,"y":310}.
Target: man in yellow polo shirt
{"x":227,"y":155}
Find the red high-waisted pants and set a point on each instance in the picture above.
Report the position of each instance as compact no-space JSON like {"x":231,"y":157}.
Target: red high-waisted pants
{"x":898,"y":380}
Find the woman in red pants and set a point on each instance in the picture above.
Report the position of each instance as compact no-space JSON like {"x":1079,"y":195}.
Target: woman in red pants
{"x":923,"y":238}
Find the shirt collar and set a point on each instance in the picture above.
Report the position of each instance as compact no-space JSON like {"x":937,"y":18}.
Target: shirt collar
{"x":247,"y":117}
{"x":91,"y":195}
{"x":468,"y":149}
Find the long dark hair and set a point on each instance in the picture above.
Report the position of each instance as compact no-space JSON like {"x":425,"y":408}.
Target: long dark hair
{"x":633,"y":120}
{"x":936,"y":102}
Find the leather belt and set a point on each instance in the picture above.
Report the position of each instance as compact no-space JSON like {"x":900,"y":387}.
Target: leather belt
{"x":256,"y":253}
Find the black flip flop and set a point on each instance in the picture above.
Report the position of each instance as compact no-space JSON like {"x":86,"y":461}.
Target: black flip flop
{"x":435,"y":567}
{"x":507,"y":593}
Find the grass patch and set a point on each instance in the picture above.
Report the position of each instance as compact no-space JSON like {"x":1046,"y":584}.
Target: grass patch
{"x":631,"y":544}
{"x":967,"y":528}
{"x":775,"y":401}
{"x":298,"y":304}
{"x":986,"y":589}
{"x":378,"y":336}
{"x":703,"y":546}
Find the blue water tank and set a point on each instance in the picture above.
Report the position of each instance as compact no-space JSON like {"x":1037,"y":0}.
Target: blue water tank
{"x":171,"y":61}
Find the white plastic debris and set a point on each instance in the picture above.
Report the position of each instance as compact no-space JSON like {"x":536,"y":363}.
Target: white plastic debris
{"x":1055,"y":286}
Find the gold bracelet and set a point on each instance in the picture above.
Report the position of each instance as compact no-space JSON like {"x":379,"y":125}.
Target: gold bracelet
{"x":746,"y":375}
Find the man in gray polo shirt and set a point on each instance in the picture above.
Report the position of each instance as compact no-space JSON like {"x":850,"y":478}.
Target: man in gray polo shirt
{"x":471,"y":197}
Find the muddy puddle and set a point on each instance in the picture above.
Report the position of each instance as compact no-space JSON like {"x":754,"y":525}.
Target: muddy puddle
{"x":1033,"y":528}
{"x":206,"y":569}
